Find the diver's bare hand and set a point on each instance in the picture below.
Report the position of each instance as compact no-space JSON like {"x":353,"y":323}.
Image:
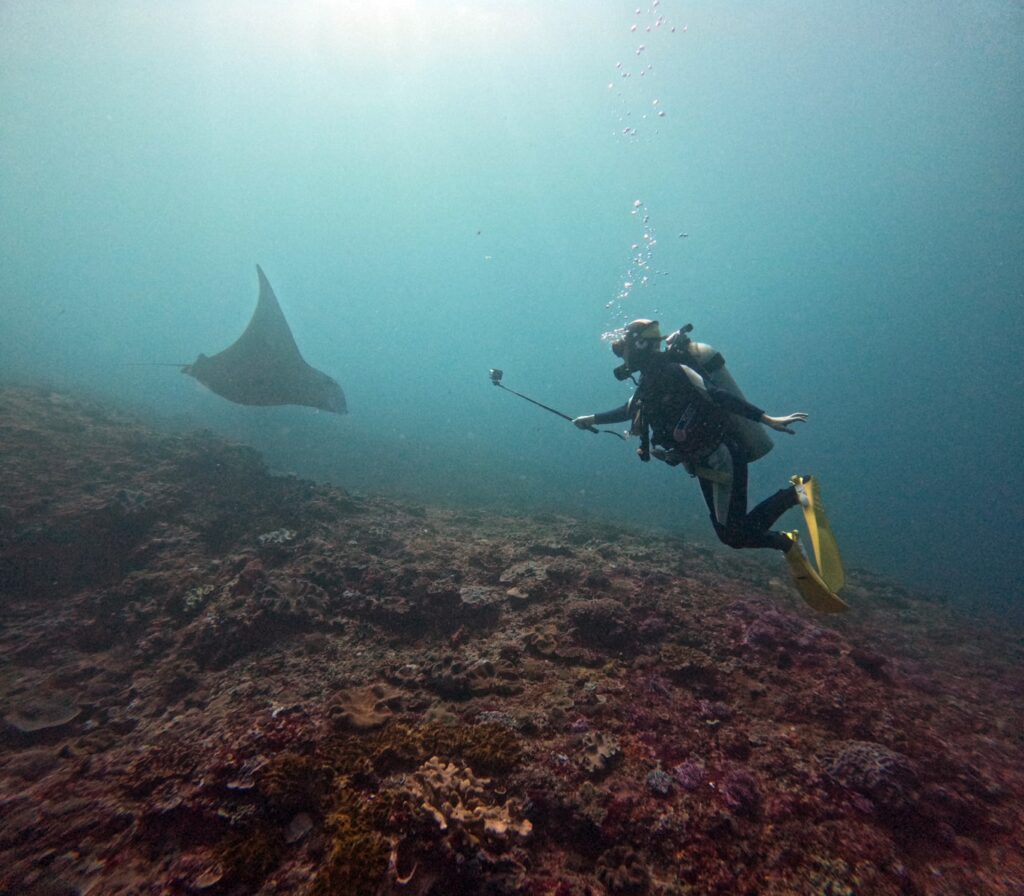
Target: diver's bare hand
{"x":782,"y":424}
{"x":584,"y":422}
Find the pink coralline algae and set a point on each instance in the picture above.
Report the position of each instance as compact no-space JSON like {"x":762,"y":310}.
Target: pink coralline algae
{"x":741,"y":793}
{"x":690,"y":774}
{"x":220,"y":681}
{"x":659,"y":781}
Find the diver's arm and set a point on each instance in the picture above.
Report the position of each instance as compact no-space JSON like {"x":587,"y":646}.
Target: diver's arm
{"x":722,"y":397}
{"x":781,"y":424}
{"x":739,"y":406}
{"x":736,"y":405}
{"x":619,"y":415}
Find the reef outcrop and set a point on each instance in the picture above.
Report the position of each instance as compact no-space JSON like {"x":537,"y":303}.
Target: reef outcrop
{"x":218,"y":681}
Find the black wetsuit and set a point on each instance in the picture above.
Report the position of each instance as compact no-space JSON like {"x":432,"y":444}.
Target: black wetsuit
{"x":687,"y":416}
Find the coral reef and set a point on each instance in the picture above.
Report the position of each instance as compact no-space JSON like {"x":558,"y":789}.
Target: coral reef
{"x":215,"y":680}
{"x":456,"y":798}
{"x":602,"y":622}
{"x":623,"y":872}
{"x":357,"y":857}
{"x":32,"y":718}
{"x":364,"y":708}
{"x":598,"y":752}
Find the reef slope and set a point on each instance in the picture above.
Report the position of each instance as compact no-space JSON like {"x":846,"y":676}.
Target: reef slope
{"x":218,"y":681}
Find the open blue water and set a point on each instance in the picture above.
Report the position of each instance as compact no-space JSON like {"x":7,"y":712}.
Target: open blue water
{"x":833,"y":196}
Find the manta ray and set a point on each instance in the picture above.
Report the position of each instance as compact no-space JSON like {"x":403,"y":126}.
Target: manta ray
{"x":264,"y":366}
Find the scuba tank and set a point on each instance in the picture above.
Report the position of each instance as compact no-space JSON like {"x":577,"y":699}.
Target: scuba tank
{"x":710,"y":364}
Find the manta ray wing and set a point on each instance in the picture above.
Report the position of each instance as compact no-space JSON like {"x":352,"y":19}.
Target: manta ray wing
{"x":264,"y":365}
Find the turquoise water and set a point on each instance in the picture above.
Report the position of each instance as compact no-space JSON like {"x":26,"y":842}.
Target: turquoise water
{"x":833,"y":197}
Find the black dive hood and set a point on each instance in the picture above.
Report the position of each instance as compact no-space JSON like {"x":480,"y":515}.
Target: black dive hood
{"x":676,"y":343}
{"x":638,"y":338}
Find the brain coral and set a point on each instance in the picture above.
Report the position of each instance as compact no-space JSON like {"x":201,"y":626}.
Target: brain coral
{"x":601,"y":622}
{"x":886,"y":777}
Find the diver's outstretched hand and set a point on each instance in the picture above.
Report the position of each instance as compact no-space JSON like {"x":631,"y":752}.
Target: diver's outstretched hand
{"x":584,"y":422}
{"x":781,"y":424}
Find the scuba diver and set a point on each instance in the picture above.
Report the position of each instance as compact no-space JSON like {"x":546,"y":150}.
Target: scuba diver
{"x":688,"y":407}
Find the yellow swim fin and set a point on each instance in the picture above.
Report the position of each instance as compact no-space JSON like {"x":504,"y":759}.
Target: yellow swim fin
{"x":826,"y":551}
{"x":812,"y":588}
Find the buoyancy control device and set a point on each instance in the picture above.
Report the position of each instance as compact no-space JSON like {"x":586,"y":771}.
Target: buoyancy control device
{"x":709,"y":363}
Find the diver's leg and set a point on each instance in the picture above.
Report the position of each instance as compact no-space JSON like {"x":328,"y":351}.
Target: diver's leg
{"x":736,"y":517}
{"x":751,"y":530}
{"x":778,"y":541}
{"x":707,"y":489}
{"x":761,"y":518}
{"x":735,"y":532}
